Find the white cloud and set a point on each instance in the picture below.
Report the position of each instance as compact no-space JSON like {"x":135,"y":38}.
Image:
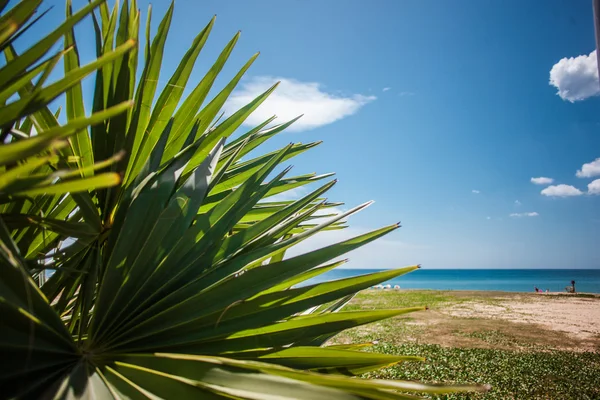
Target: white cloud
{"x":527,"y":214}
{"x":576,"y":78}
{"x":517,"y":203}
{"x":561,"y":191}
{"x":293,"y":98}
{"x":542,"y":180}
{"x":594,"y":187}
{"x":590,"y":169}
{"x":385,"y":89}
{"x":475,"y":191}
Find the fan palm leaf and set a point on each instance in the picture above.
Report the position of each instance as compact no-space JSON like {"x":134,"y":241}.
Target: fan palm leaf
{"x":172,"y":282}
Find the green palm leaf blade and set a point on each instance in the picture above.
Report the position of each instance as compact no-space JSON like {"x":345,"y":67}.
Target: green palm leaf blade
{"x":249,"y":168}
{"x":327,"y":360}
{"x":45,"y":240}
{"x":171,"y":314}
{"x":108,"y":44}
{"x":233,"y":205}
{"x":15,"y":67}
{"x":164,"y":279}
{"x":169,"y":98}
{"x":9,"y":180}
{"x":81,"y":382}
{"x":81,"y":143}
{"x":191,"y":282}
{"x":233,"y":318}
{"x":184,"y":118}
{"x":287,"y":284}
{"x":359,"y":386}
{"x":16,"y":17}
{"x":164,"y":377}
{"x":169,"y":225}
{"x":47,"y":123}
{"x":217,"y":373}
{"x":240,"y":173}
{"x":28,"y":325}
{"x":15,"y":151}
{"x":66,"y":228}
{"x":145,"y":92}
{"x":41,"y":97}
{"x":241,"y":141}
{"x":226,"y":128}
{"x":18,"y":85}
{"x":124,"y":75}
{"x":74,"y":186}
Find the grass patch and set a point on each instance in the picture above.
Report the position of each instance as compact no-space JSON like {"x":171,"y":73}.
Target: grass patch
{"x":512,"y":374}
{"x":498,"y":338}
{"x":378,"y":299}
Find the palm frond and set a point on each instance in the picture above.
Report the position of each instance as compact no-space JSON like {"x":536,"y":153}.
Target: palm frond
{"x":173,"y":281}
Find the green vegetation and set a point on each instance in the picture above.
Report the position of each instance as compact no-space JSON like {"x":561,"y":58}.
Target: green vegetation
{"x":374,"y":299}
{"x":518,"y":362}
{"x":512,"y":374}
{"x":169,"y":273}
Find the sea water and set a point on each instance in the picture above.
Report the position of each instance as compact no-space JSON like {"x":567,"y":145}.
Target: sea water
{"x":509,"y":280}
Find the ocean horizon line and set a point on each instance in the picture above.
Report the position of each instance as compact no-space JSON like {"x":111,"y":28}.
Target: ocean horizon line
{"x":475,"y":269}
{"x":500,"y":279}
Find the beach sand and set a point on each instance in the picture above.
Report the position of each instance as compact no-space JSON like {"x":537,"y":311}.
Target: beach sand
{"x":491,"y":319}
{"x":579,"y":317}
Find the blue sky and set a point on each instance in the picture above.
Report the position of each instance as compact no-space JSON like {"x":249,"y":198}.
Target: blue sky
{"x":440,"y":111}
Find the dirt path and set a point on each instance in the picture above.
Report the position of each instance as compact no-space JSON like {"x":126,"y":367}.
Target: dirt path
{"x":488,"y":319}
{"x":579,"y":317}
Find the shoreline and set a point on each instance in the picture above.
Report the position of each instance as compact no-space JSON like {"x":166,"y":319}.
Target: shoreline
{"x":497,"y":292}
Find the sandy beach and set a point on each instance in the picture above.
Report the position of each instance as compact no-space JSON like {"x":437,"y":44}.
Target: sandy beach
{"x":556,"y":320}
{"x":578,"y":317}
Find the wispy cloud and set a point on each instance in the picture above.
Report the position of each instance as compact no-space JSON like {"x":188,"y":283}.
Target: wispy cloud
{"x":488,"y":218}
{"x":561,"y":191}
{"x":405,"y":93}
{"x":292,"y":98}
{"x":542,"y":180}
{"x":590,"y":169}
{"x":594,"y":187}
{"x":385,"y":89}
{"x":527,"y":214}
{"x":576,"y":78}
{"x":517,"y":203}
{"x":475,"y":191}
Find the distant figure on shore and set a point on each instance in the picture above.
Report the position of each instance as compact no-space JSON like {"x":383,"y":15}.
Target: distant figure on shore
{"x":571,"y":289}
{"x":536,"y":289}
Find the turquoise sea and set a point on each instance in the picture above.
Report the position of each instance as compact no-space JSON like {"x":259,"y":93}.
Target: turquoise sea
{"x":509,"y":280}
